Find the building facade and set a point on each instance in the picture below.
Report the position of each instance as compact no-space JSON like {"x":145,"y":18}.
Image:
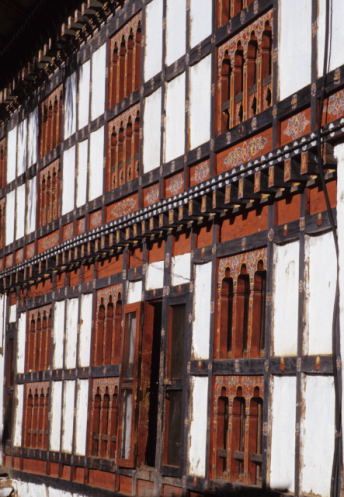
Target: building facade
{"x":171,"y":173}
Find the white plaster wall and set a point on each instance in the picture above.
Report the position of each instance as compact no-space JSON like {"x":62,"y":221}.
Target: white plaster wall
{"x":181,"y":269}
{"x":32,"y":142}
{"x":85,"y":330}
{"x":337,"y":39}
{"x":155,"y":275}
{"x":200,"y":102}
{"x":95,"y":187}
{"x":201,"y":311}
{"x":285,"y":298}
{"x":283,"y":418}
{"x":68,"y":185}
{"x":175,"y":118}
{"x":317,"y":435}
{"x":21,"y":343}
{"x":22,"y":147}
{"x":11,"y":154}
{"x":3,"y":304}
{"x":98,"y":82}
{"x":56,"y":416}
{"x":152,"y":131}
{"x":12,"y":318}
{"x":84,"y":94}
{"x":153,"y":38}
{"x":81,"y":188}
{"x":134,"y":292}
{"x":200,"y":20}
{"x":198,"y":426}
{"x":58,"y":334}
{"x":68,"y":415}
{"x":71,"y":332}
{"x":26,"y":489}
{"x":321,"y":269}
{"x":20,"y":211}
{"x":294,"y":56}
{"x":70,"y":106}
{"x":10,"y":216}
{"x":81,"y":416}
{"x":175,"y":30}
{"x":31,"y":205}
{"x":18,"y":416}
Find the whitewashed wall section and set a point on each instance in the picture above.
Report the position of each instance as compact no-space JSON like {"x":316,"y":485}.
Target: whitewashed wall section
{"x":10,"y":216}
{"x":295,"y":52}
{"x":58,"y":333}
{"x":336,"y":54}
{"x":22,"y":147}
{"x":175,"y":118}
{"x":152,"y":131}
{"x":95,"y":187}
{"x":20,"y":212}
{"x":71,"y":335}
{"x":181,"y":269}
{"x":12,"y":315}
{"x":68,"y":180}
{"x":84,"y":94}
{"x":81,"y":410}
{"x":175,"y":30}
{"x":56,"y":416}
{"x":85,"y":330}
{"x":81,"y":183}
{"x":21,"y":340}
{"x":18,"y":415}
{"x":31,"y":205}
{"x":98,"y":82}
{"x":153,"y":39}
{"x":68,"y":415}
{"x":198,"y":426}
{"x":201,"y":12}
{"x":202,"y":311}
{"x":70,"y":106}
{"x":134,"y":292}
{"x":11,"y":154}
{"x":200,"y":102}
{"x":26,"y":489}
{"x":285,"y":299}
{"x":32,"y":142}
{"x":155,"y":275}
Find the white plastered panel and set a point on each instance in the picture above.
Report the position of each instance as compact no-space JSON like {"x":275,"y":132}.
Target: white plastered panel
{"x":201,"y":20}
{"x":95,"y":187}
{"x":153,"y":37}
{"x":11,"y":154}
{"x":22,"y":147}
{"x":56,"y":416}
{"x":200,"y":102}
{"x":175,"y":30}
{"x":321,"y":274}
{"x":59,"y":326}
{"x":71,"y":332}
{"x":317,"y":435}
{"x":10,"y":216}
{"x":68,"y":415}
{"x":98,"y":82}
{"x":31,"y":205}
{"x":21,"y":343}
{"x":152,"y":131}
{"x":20,"y":212}
{"x":18,"y":417}
{"x":81,"y":410}
{"x":336,"y":53}
{"x":12,"y":318}
{"x":198,"y":427}
{"x":84,"y":94}
{"x":70,"y":106}
{"x":285,"y":299}
{"x":3,"y":303}
{"x":295,"y":52}
{"x":68,"y":186}
{"x":85,"y":330}
{"x":181,"y":269}
{"x":201,"y":311}
{"x":134,"y":292}
{"x":155,"y":275}
{"x":32,"y":143}
{"x":175,"y":118}
{"x":283,"y":418}
{"x":81,"y":189}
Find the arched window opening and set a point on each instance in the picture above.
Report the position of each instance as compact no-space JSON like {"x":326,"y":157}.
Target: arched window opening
{"x":105,"y":424}
{"x":113,"y":165}
{"x":96,"y":423}
{"x":138,"y":56}
{"x":121,"y":155}
{"x":109,"y":331}
{"x":252,"y":52}
{"x":136,"y":144}
{"x":128,"y":151}
{"x":223,"y":11}
{"x":118,"y":329}
{"x":114,"y":424}
{"x":226,"y":315}
{"x":238,"y":434}
{"x":122,"y":57}
{"x":222,"y":433}
{"x":225,"y":91}
{"x":114,"y":79}
{"x":38,"y":341}
{"x":100,"y":334}
{"x":238,"y":71}
{"x":29,"y":412}
{"x":258,"y":310}
{"x":242,"y":312}
{"x":41,"y":404}
{"x":266,"y":52}
{"x":237,"y":7}
{"x":130,"y":64}
{"x":255,"y":437}
{"x":31,"y":347}
{"x":35,"y":417}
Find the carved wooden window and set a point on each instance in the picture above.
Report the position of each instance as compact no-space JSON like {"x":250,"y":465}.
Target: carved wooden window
{"x":2,"y":221}
{"x":51,"y":119}
{"x":266,"y":62}
{"x":255,"y":437}
{"x":104,"y":418}
{"x":226,"y":9}
{"x":3,"y":157}
{"x":222,"y":433}
{"x":241,"y":300}
{"x":252,"y":75}
{"x":125,"y":54}
{"x":36,"y":429}
{"x":108,"y":330}
{"x":49,"y":193}
{"x":124,"y":146}
{"x":238,"y":434}
{"x":39,"y":330}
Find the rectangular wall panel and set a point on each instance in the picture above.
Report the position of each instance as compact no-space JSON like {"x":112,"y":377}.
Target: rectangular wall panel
{"x":155,"y":275}
{"x":32,"y":143}
{"x":201,"y":311}
{"x":11,"y":154}
{"x":317,"y":435}
{"x":95,"y":188}
{"x":181,"y":269}
{"x":175,"y":118}
{"x":98,"y":82}
{"x":58,"y":334}
{"x":18,"y":417}
{"x":153,"y":38}
{"x":12,"y":318}
{"x":198,"y":427}
{"x":200,"y":102}
{"x":201,"y":20}
{"x":21,"y":343}
{"x":283,"y":418}
{"x":68,"y":183}
{"x":31,"y":205}
{"x":81,"y":410}
{"x":295,"y":52}
{"x":22,"y":147}
{"x":20,"y":212}
{"x":134,"y":292}
{"x":81,"y":188}
{"x":175,"y":30}
{"x":72,"y":310}
{"x":68,"y":415}
{"x":152,"y":131}
{"x":10,"y":216}
{"x":70,"y":106}
{"x":56,"y":416}
{"x":84,"y":94}
{"x":336,"y":54}
{"x":86,"y":308}
{"x":285,"y":298}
